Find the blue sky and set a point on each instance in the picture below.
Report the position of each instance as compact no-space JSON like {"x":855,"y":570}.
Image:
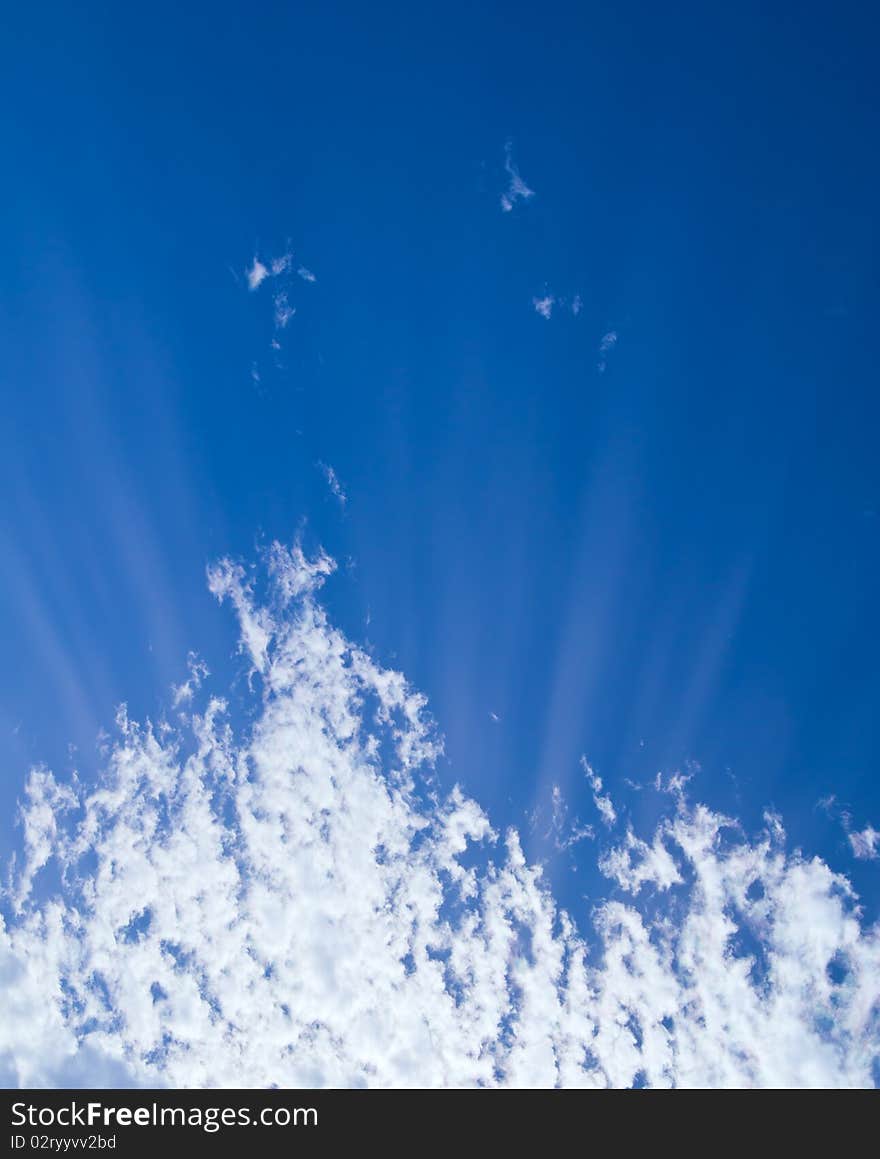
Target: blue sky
{"x":662,"y":554}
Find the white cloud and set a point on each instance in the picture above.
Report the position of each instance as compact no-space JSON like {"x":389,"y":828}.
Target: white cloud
{"x":866,"y":845}
{"x":517,"y":190}
{"x":333,"y":483}
{"x":259,"y":271}
{"x":634,"y":863}
{"x":297,"y":901}
{"x":676,"y":782}
{"x":283,"y":310}
{"x":198,"y":671}
{"x":603,"y":803}
{"x":546,"y":304}
{"x":306,"y":275}
{"x":607,"y":344}
{"x":256,"y":274}
{"x":564,"y":832}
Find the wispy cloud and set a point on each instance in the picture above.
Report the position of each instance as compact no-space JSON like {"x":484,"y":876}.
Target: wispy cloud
{"x":275,"y":267}
{"x":198,"y":671}
{"x":634,"y":863}
{"x":336,"y":488}
{"x":603,"y":803}
{"x":866,"y":845}
{"x":545,"y":304}
{"x":281,"y":269}
{"x":517,"y":190}
{"x":283,"y":311}
{"x":606,"y":345}
{"x":566,"y":832}
{"x":294,"y":903}
{"x":256,"y":274}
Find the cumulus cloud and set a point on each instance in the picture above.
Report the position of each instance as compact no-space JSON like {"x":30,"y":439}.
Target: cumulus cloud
{"x":633,"y":862}
{"x":544,"y":306}
{"x":306,"y":275}
{"x":517,"y":190}
{"x":298,"y":901}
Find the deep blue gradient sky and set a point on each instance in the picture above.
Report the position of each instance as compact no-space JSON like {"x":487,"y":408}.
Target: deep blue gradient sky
{"x":674,"y":560}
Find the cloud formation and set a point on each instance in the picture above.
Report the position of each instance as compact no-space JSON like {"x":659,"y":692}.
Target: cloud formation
{"x":198,"y":671}
{"x":547,"y":303}
{"x":607,"y":344}
{"x":259,"y":271}
{"x":517,"y":190}
{"x":865,"y":845}
{"x":256,"y":274}
{"x":336,"y":488}
{"x":283,"y":311}
{"x":603,"y":804}
{"x":297,"y":901}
